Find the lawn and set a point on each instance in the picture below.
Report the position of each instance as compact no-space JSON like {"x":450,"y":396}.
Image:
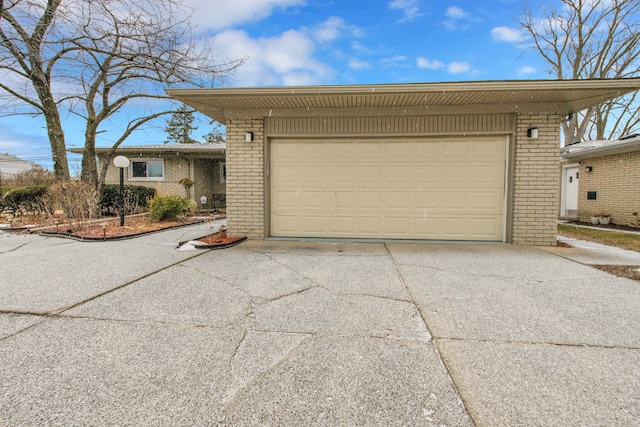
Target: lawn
{"x":606,"y":237}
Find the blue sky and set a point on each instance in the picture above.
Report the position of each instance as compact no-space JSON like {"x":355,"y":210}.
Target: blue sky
{"x":313,"y":42}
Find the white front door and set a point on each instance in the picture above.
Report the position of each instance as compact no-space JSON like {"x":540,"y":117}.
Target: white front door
{"x":571,"y":176}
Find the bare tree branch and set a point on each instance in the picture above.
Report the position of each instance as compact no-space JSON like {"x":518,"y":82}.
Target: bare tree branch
{"x":95,"y":59}
{"x":591,"y":39}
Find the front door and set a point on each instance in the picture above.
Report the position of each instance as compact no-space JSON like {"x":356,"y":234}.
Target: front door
{"x":571,"y":191}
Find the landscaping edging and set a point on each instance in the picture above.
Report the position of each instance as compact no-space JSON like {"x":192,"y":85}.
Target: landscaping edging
{"x":115,"y":238}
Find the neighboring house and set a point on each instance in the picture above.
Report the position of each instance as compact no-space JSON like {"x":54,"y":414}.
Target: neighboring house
{"x":602,"y":177}
{"x":12,"y":165}
{"x":162,"y":167}
{"x":434,"y":161}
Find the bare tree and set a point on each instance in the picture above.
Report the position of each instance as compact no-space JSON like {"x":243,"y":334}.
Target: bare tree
{"x":591,"y":39}
{"x":101,"y":61}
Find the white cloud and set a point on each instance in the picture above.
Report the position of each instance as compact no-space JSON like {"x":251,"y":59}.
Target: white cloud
{"x":454,"y":12}
{"x":358,"y":64}
{"x":430,"y":64}
{"x":330,"y":30}
{"x":334,"y":28}
{"x":410,"y":9}
{"x":458,"y":67}
{"x":508,"y":34}
{"x":459,"y":19}
{"x":220,"y":14}
{"x":286,"y":59}
{"x":394,"y":61}
{"x":526,"y":69}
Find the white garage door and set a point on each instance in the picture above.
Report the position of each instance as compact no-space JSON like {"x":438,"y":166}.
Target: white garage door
{"x":444,"y":188}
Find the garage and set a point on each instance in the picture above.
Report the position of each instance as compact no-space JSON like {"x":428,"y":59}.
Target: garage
{"x":449,"y":188}
{"x":459,"y":161}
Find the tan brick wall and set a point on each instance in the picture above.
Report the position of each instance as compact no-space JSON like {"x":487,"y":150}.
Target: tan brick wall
{"x":245,"y":179}
{"x":616,"y":181}
{"x":535,"y":181}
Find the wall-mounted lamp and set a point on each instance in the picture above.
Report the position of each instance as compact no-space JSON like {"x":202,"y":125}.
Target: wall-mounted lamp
{"x":532,"y":133}
{"x":588,"y":168}
{"x":248,"y":136}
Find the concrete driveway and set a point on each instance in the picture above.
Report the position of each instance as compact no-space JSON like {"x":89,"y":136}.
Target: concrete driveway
{"x":283,"y":333}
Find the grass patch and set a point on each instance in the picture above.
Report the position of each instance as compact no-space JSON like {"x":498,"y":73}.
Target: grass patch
{"x":606,"y":237}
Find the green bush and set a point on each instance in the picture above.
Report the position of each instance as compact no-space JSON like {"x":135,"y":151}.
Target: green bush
{"x":136,"y":197}
{"x":168,"y":207}
{"x":29,"y":198}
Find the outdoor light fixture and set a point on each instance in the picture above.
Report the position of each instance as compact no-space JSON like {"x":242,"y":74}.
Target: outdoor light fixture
{"x":248,"y":136}
{"x":121,"y":162}
{"x":532,"y":133}
{"x":588,"y":168}
{"x":104,"y":230}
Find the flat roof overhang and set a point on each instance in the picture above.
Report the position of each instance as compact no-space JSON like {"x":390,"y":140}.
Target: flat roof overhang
{"x":526,"y":96}
{"x":179,"y":149}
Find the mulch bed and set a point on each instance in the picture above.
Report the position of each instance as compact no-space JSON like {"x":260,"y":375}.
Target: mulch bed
{"x":219,"y":240}
{"x":629,"y":271}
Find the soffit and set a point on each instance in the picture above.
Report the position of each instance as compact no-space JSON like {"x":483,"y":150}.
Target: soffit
{"x":536,"y":96}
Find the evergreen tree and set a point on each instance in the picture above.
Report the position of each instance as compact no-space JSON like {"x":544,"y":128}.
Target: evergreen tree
{"x":180,"y":126}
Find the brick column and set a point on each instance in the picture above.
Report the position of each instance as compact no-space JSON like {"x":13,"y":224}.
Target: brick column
{"x":245,"y":179}
{"x":536,"y":183}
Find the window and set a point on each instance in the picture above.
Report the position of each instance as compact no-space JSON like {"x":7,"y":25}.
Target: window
{"x":147,"y":169}
{"x":223,"y":172}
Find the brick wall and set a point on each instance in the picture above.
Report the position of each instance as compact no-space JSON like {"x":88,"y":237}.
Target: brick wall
{"x":616,"y":181}
{"x":245,"y":179}
{"x":535,"y":181}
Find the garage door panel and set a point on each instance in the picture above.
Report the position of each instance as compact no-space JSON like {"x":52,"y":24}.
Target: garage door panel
{"x":369,"y":174}
{"x":396,"y":174}
{"x":398,"y":200}
{"x":313,"y":150}
{"x":455,"y":200}
{"x":345,"y":175}
{"x":426,"y":199}
{"x":369,"y":150}
{"x":286,"y":199}
{"x":488,"y":150}
{"x":440,"y":188}
{"x":368,"y":226}
{"x":368,"y":199}
{"x":426,"y":174}
{"x":313,"y":199}
{"x":486,"y":202}
{"x":287,"y":175}
{"x":455,"y":174}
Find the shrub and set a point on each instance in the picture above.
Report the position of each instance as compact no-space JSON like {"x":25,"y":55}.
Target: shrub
{"x":36,"y":176}
{"x":78,"y":200}
{"x":30,"y":199}
{"x":168,"y":207}
{"x":136,"y":198}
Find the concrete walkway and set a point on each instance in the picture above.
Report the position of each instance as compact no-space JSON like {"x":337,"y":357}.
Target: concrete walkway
{"x":283,"y":333}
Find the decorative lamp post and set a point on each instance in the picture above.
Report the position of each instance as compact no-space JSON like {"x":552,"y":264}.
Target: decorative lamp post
{"x":121,"y":162}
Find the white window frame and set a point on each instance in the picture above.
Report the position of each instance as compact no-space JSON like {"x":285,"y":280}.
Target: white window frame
{"x":143,"y":178}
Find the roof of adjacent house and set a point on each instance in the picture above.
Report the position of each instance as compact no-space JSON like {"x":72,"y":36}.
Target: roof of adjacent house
{"x":601,"y":147}
{"x":12,"y":165}
{"x":195,"y":148}
{"x":530,"y":96}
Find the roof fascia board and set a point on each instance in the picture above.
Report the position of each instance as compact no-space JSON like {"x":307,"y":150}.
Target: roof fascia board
{"x":626,"y":147}
{"x":380,"y":89}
